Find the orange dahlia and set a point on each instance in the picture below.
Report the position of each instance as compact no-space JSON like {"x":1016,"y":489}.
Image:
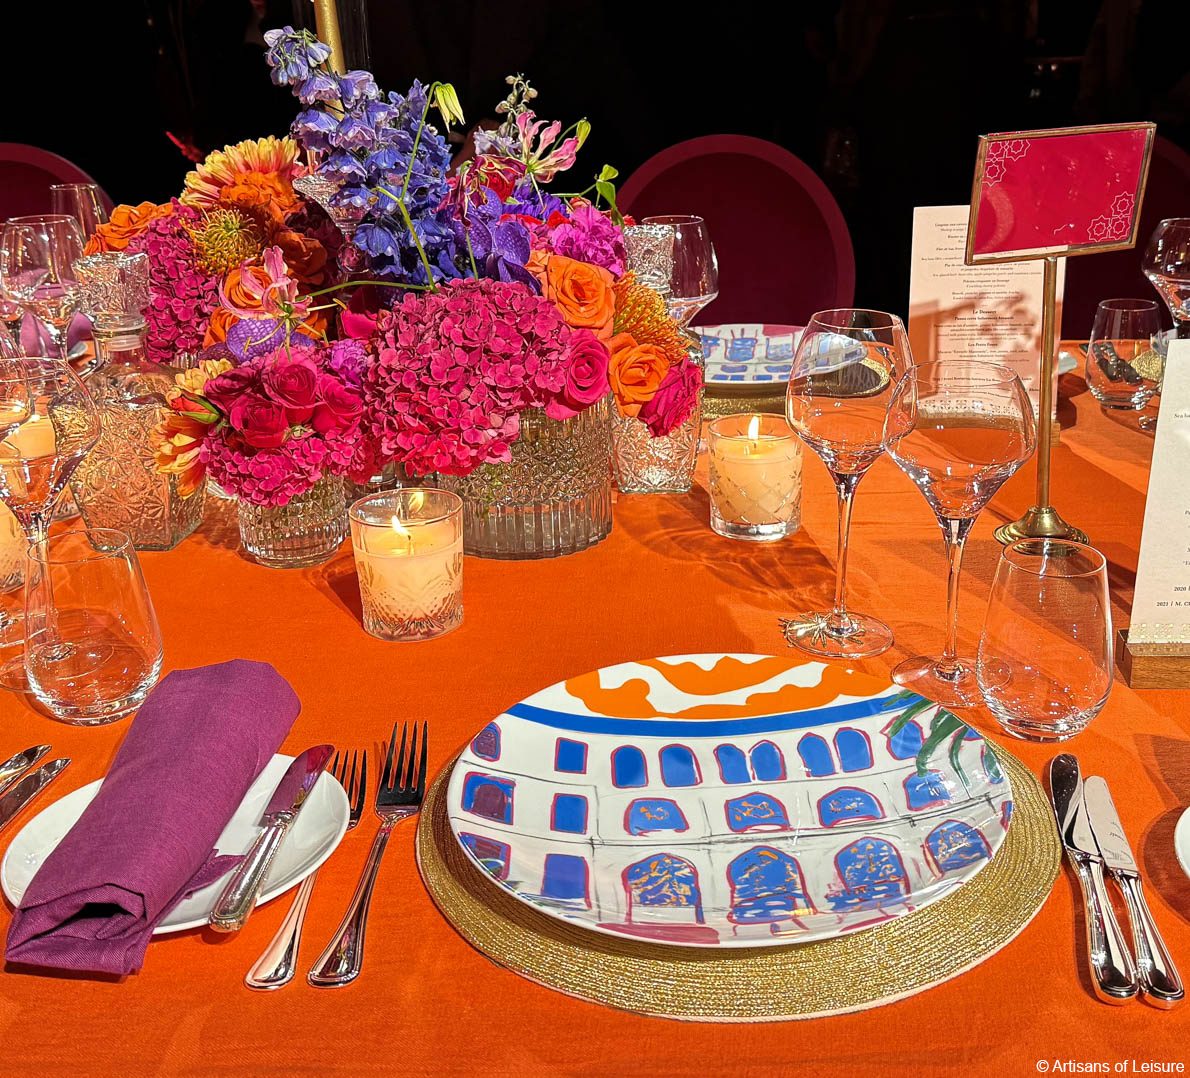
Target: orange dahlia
{"x":255,"y":176}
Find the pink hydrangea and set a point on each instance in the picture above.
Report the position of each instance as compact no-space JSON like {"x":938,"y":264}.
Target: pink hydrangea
{"x":589,"y":236}
{"x":455,"y":368}
{"x":181,"y":295}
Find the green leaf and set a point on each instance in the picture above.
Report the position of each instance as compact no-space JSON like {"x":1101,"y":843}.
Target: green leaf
{"x":941,"y":728}
{"x":582,"y":130}
{"x":908,"y":715}
{"x":991,"y":763}
{"x":608,"y":173}
{"x":956,"y":745}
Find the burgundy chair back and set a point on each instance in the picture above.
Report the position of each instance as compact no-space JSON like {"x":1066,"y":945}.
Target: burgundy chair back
{"x":1117,"y":274}
{"x":26,"y":173}
{"x":783,"y":247}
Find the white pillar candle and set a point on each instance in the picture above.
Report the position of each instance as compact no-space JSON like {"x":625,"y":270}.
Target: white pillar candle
{"x":756,"y":477}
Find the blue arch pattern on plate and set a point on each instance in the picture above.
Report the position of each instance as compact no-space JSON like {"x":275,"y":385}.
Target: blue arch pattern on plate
{"x":766,"y":885}
{"x":855,"y":754}
{"x":678,"y":766}
{"x":816,"y":756}
{"x":494,"y":856}
{"x":733,"y":764}
{"x":924,"y":791}
{"x":569,"y":814}
{"x":489,"y":797}
{"x":663,"y":880}
{"x":628,"y":767}
{"x":906,"y":743}
{"x":486,"y":744}
{"x":756,"y":811}
{"x":955,"y":844}
{"x":648,"y":814}
{"x":768,"y":765}
{"x":565,"y":878}
{"x":872,"y":873}
{"x":848,"y":803}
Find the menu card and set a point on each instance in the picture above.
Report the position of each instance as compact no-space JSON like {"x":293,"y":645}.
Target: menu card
{"x":990,"y":312}
{"x":1161,"y":603}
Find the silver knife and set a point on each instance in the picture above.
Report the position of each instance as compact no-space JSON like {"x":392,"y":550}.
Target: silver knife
{"x":239,"y":896}
{"x":12,"y":769}
{"x":1111,"y":962}
{"x":1158,"y":975}
{"x":27,"y":789}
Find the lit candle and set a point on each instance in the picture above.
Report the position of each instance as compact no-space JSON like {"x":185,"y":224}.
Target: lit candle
{"x":409,"y":559}
{"x":756,"y":477}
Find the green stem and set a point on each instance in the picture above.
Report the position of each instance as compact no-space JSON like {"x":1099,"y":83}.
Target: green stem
{"x":417,"y":243}
{"x":417,"y":140}
{"x":471,"y":254}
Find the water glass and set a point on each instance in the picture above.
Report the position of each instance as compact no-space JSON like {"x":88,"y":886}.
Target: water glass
{"x":1166,"y":264}
{"x":92,"y":645}
{"x":37,"y":256}
{"x":1045,"y":656}
{"x":1124,"y":369}
{"x":694,"y":277}
{"x":81,"y":201}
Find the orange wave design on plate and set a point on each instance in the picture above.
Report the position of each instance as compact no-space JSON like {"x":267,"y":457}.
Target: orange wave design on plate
{"x":631,"y":700}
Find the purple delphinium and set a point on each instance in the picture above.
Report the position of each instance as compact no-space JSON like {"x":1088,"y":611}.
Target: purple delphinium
{"x":293,"y":54}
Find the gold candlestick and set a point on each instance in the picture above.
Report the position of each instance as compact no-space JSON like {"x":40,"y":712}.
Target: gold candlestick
{"x":1042,"y":520}
{"x":326,"y":19}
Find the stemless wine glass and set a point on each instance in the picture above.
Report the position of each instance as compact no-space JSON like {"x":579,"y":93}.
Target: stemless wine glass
{"x":1123,"y":368}
{"x":694,"y":279}
{"x":37,"y":257}
{"x":844,"y":371}
{"x":958,"y":429}
{"x":92,"y":645}
{"x":81,"y":201}
{"x":1045,"y":656}
{"x":1167,"y":266}
{"x":41,"y":448}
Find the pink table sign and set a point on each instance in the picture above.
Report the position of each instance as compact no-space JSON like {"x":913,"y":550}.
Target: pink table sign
{"x":1064,"y":191}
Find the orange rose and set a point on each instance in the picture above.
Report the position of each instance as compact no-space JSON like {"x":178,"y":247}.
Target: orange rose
{"x":537,"y":263}
{"x":636,"y":371}
{"x":305,"y":257}
{"x":234,"y":290}
{"x":582,"y":293}
{"x":221,"y":321}
{"x":126,"y":223}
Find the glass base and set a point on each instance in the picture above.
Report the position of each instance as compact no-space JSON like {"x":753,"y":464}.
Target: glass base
{"x":859,"y":638}
{"x":13,"y":677}
{"x":755,"y":533}
{"x":412,"y":628}
{"x":1042,"y":733}
{"x":923,"y":675}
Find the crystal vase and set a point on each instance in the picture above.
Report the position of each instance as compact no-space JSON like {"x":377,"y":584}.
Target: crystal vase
{"x":553,"y":498}
{"x":305,"y":531}
{"x":648,"y":465}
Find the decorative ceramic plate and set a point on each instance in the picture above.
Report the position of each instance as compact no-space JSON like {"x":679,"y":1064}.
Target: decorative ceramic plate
{"x":1181,"y":841}
{"x":315,"y":833}
{"x":728,"y":801}
{"x":748,"y":355}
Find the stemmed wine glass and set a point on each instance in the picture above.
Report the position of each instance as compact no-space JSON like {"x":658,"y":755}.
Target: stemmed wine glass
{"x":37,"y":257}
{"x":958,"y":429}
{"x":44,"y":442}
{"x":844,"y":372}
{"x":81,"y":201}
{"x":694,"y":279}
{"x":1167,"y":266}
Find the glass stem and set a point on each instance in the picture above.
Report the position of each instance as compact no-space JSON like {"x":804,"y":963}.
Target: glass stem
{"x":845,"y":488}
{"x":59,"y":335}
{"x":954,"y":534}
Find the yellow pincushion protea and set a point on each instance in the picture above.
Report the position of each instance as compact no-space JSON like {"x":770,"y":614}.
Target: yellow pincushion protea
{"x":641,"y":312}
{"x":271,"y":156}
{"x":224,"y":239}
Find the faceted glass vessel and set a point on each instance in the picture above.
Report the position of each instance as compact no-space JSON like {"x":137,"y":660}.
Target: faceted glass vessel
{"x":553,"y":498}
{"x":305,"y":531}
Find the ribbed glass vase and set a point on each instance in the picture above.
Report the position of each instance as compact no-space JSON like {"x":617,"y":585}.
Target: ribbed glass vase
{"x":306,"y":531}
{"x":553,"y":498}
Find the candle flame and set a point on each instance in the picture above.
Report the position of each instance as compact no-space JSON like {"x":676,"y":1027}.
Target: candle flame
{"x":754,"y":428}
{"x":398,"y":528}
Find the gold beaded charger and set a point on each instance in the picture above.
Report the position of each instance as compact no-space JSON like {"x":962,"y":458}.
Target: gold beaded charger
{"x":881,"y":965}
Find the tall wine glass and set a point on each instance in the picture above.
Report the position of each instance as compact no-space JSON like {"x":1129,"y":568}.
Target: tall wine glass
{"x":694,"y":280}
{"x":42,"y":446}
{"x":958,"y":429}
{"x":37,"y":268}
{"x":81,"y":201}
{"x":846,"y":366}
{"x":1167,"y":266}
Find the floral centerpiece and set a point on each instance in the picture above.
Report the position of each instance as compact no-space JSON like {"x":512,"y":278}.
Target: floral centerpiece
{"x":488,"y":325}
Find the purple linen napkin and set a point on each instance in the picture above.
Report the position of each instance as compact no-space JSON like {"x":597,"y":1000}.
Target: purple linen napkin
{"x":146,"y":841}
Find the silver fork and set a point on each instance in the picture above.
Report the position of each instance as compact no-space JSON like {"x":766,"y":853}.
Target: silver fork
{"x":398,"y":797}
{"x":277,"y":965}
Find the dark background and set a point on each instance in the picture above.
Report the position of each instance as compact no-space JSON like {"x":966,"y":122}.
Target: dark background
{"x":883,"y":98}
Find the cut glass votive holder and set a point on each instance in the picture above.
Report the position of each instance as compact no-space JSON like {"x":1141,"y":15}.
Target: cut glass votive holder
{"x":756,"y":477}
{"x":409,"y":559}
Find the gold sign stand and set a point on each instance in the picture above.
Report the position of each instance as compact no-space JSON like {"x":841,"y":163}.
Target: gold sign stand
{"x":326,"y":19}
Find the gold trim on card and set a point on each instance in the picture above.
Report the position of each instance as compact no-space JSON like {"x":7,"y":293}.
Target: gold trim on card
{"x":849,"y":973}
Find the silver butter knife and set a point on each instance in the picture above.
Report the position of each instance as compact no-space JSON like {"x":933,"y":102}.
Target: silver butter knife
{"x":239,"y":896}
{"x":1158,"y":976}
{"x":27,"y":789}
{"x":13,"y":768}
{"x":1111,"y":962}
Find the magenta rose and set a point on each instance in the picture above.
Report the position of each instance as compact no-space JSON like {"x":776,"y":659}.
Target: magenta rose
{"x":261,"y":422}
{"x":293,"y":383}
{"x":586,"y":362}
{"x":338,"y":405}
{"x":674,"y":400}
{"x":224,"y":390}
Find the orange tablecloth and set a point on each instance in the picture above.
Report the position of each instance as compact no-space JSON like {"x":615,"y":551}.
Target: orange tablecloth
{"x":427,"y":1004}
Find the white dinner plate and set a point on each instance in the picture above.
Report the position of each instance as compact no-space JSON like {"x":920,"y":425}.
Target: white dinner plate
{"x":1181,"y":841}
{"x":315,"y":833}
{"x":728,"y":801}
{"x":748,"y":354}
